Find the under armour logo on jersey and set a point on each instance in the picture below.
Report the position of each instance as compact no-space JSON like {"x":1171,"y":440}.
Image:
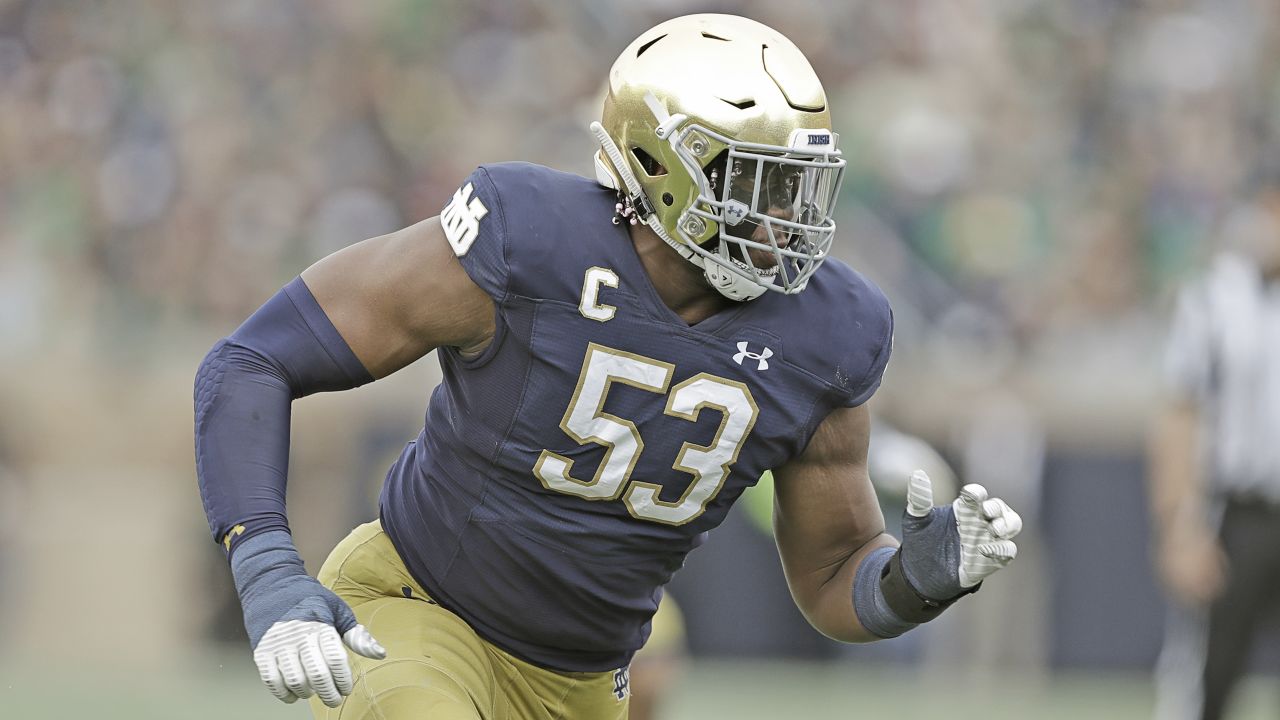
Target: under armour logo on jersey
{"x":461,"y":219}
{"x":621,"y":683}
{"x":761,"y":357}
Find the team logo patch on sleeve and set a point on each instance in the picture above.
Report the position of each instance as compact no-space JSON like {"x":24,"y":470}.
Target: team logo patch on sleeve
{"x":461,"y":219}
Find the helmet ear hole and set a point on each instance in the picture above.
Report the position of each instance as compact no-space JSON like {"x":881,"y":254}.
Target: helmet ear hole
{"x":648,"y":163}
{"x":667,"y":199}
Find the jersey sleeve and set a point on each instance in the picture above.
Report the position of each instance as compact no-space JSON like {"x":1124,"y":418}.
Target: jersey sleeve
{"x":874,"y":357}
{"x":475,"y":225}
{"x":848,"y":337}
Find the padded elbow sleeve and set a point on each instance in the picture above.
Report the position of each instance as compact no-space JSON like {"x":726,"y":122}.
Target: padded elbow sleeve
{"x":884,"y":599}
{"x":243,"y":392}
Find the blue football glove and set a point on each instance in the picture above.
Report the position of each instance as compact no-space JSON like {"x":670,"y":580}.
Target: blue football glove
{"x":947,"y":551}
{"x":294,"y":623}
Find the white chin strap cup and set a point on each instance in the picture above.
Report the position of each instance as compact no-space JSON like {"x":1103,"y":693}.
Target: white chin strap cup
{"x":730,"y":284}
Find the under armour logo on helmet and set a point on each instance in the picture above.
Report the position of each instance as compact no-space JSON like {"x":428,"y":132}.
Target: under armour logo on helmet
{"x":734,"y":212}
{"x":761,"y":357}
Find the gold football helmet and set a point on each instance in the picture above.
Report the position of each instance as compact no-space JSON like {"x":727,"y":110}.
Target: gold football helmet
{"x":716,"y":129}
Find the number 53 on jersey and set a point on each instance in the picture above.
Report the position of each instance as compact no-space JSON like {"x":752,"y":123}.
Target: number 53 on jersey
{"x":586,"y":422}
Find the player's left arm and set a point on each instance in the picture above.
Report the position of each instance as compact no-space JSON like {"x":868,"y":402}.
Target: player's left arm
{"x":826,"y":520}
{"x":851,"y":580}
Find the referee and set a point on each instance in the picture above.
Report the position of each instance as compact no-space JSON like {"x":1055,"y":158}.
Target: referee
{"x":1215,"y":468}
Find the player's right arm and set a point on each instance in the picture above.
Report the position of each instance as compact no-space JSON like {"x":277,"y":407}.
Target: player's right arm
{"x":397,"y":297}
{"x":359,"y":314}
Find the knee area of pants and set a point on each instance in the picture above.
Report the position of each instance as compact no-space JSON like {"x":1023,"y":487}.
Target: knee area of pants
{"x":407,"y":702}
{"x":425,"y":702}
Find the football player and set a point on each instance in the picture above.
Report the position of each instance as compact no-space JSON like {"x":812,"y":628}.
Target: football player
{"x":622,"y":357}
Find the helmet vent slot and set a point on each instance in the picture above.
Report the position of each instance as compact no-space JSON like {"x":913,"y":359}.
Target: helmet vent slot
{"x":709,"y":36}
{"x":807,"y":108}
{"x":648,"y":45}
{"x":741,"y":104}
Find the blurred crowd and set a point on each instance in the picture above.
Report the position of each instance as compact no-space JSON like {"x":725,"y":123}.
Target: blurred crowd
{"x":1021,"y":171}
{"x":1028,"y":179}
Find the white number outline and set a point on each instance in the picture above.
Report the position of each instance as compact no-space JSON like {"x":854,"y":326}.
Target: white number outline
{"x":556,"y":476}
{"x":708,"y":464}
{"x":643,"y":503}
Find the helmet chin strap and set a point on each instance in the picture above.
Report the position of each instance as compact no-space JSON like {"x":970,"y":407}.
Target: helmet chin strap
{"x":726,"y":282}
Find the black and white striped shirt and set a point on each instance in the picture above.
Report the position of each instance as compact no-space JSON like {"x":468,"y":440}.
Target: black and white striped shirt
{"x":1224,"y":354}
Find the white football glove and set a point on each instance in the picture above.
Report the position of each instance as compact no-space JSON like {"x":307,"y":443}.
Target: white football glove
{"x":986,"y":527}
{"x":301,"y":658}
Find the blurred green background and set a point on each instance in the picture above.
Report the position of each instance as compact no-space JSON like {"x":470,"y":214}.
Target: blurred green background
{"x":1028,"y":181}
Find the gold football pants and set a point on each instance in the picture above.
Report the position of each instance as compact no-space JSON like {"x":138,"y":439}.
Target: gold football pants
{"x":437,"y":668}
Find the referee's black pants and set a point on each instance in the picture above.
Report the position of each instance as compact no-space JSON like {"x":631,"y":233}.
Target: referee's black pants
{"x":1251,"y":540}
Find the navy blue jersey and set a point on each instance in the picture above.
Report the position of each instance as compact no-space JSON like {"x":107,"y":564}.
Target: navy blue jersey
{"x":565,"y":472}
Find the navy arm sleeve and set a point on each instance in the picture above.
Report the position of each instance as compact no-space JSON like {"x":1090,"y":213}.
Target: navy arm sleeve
{"x":243,"y":392}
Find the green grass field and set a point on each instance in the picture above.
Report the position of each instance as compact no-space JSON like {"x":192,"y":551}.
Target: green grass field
{"x":708,"y":691}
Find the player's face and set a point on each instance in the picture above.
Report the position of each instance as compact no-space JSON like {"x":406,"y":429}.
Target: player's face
{"x":777,"y":198}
